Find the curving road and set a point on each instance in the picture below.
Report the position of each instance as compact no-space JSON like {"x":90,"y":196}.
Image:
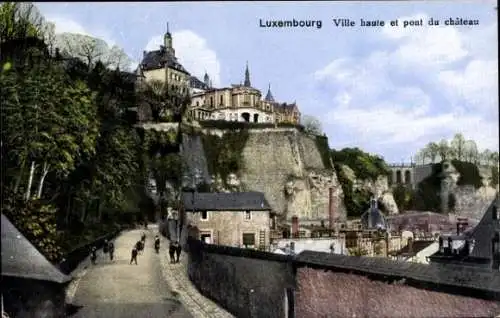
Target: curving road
{"x":118,"y":289}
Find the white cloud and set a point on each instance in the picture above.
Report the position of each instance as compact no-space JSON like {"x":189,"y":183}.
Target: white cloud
{"x":193,"y":53}
{"x":435,"y":82}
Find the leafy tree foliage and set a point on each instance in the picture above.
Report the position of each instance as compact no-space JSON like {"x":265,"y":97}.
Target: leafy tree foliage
{"x":70,"y":159}
{"x":311,"y":125}
{"x":365,"y":166}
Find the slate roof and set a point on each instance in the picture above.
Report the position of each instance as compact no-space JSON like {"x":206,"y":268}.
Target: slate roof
{"x":194,"y":82}
{"x":237,"y":201}
{"x":269,"y":95}
{"x":20,"y":259}
{"x":445,"y":274}
{"x":484,"y":232}
{"x":482,"y":235}
{"x":160,"y":58}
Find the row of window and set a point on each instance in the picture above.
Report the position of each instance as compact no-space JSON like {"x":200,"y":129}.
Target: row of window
{"x":221,"y":103}
{"x":248,"y":239}
{"x":204,"y":215}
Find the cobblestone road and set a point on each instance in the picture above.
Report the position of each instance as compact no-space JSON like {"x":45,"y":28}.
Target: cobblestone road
{"x":118,"y":289}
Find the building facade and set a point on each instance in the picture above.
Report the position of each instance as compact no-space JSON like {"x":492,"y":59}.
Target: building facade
{"x":240,"y":219}
{"x":240,"y":102}
{"x":163,"y":66}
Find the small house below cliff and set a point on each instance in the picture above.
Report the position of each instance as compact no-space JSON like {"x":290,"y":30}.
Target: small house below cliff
{"x":242,"y":219}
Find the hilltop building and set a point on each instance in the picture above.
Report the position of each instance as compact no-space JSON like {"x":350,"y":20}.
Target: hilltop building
{"x":240,"y":102}
{"x":162,"y":66}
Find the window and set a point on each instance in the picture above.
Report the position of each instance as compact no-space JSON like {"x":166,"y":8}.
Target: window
{"x":221,"y":100}
{"x":248,"y":215}
{"x":204,"y":215}
{"x":248,"y":239}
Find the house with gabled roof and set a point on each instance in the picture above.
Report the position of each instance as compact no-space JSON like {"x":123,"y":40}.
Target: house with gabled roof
{"x":241,"y":219}
{"x":31,"y":285}
{"x":479,"y":246}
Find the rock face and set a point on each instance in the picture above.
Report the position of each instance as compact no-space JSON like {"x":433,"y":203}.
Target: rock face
{"x":469,"y":201}
{"x":379,"y":187}
{"x":286,"y":165}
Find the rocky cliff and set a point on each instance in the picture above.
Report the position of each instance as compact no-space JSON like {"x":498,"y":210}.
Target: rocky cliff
{"x":287,"y":166}
{"x":469,"y":201}
{"x":379,"y":188}
{"x":284,"y":163}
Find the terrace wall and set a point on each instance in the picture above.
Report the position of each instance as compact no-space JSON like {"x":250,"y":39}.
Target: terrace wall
{"x":250,"y":283}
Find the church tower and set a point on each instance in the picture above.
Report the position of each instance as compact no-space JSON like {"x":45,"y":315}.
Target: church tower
{"x":247,"y":77}
{"x":167,"y":42}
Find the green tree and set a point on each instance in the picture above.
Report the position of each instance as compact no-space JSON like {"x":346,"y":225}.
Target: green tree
{"x":311,"y":125}
{"x":432,"y":151}
{"x":19,"y":21}
{"x":166,"y":103}
{"x":458,"y":146}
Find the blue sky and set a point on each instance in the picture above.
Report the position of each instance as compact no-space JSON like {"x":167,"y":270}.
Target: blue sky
{"x":387,"y":90}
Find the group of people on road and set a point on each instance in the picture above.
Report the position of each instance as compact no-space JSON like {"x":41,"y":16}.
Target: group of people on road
{"x":108,"y":248}
{"x":174,"y":250}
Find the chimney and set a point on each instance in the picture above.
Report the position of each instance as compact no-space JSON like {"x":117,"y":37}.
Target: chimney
{"x":331,"y":208}
{"x":295,"y":226}
{"x":144,"y":53}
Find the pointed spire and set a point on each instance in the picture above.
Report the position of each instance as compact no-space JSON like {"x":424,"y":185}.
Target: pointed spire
{"x":206,"y":79}
{"x":269,"y":96}
{"x":168,"y":29}
{"x":247,"y":77}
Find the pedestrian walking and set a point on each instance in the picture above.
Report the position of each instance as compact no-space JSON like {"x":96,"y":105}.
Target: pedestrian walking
{"x":111,"y":248}
{"x":139,"y":246}
{"x":105,"y":247}
{"x":178,"y":250}
{"x":93,"y":255}
{"x":143,"y":237}
{"x":134,"y":256}
{"x":171,"y":252}
{"x":157,"y":244}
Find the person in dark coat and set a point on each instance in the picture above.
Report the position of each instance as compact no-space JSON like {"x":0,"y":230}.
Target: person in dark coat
{"x":178,"y":250}
{"x":111,"y":248}
{"x":134,"y":256}
{"x":171,"y":252}
{"x":105,"y":247}
{"x":157,"y":243}
{"x":139,"y":246}
{"x":93,"y":255}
